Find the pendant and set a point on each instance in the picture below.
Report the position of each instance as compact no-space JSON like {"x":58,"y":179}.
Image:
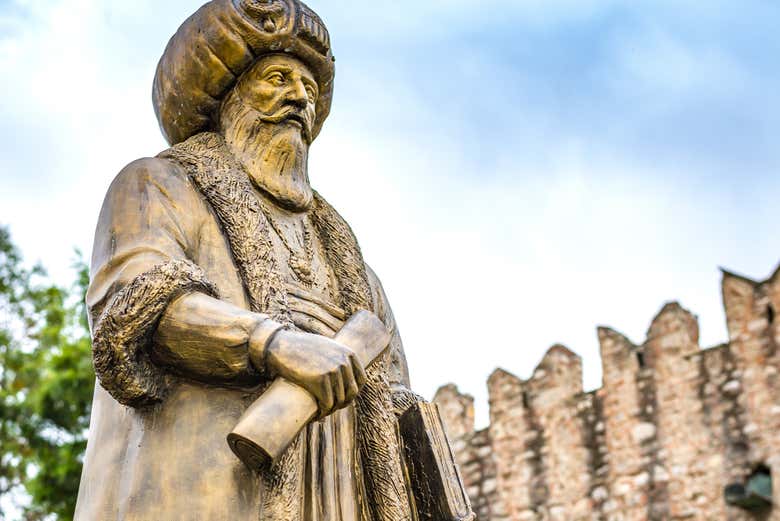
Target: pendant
{"x":302,"y":269}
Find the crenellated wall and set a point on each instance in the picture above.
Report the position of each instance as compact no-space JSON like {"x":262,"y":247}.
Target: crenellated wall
{"x":670,"y":428}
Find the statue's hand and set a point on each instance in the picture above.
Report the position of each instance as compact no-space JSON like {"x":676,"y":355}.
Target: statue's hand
{"x":331,"y":372}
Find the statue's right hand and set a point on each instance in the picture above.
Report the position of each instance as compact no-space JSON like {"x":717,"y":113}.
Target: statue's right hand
{"x":331,"y":372}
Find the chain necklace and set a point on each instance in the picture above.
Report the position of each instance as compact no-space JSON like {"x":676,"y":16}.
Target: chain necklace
{"x":299,"y":264}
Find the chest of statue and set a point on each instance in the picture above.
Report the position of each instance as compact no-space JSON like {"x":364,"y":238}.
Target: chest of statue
{"x":309,"y":279}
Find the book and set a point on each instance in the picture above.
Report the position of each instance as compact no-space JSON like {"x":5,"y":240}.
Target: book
{"x":433,"y":474}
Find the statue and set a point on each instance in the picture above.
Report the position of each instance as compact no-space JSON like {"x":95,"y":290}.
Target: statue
{"x":228,"y":297}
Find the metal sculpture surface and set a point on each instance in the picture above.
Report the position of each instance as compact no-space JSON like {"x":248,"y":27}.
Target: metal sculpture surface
{"x":229,"y":299}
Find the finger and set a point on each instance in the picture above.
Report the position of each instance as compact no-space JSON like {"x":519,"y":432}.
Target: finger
{"x":326,"y":397}
{"x":339,"y":390}
{"x":352,"y":388}
{"x":358,"y":372}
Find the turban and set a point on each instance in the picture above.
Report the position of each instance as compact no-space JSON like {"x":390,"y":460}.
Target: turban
{"x":218,"y":43}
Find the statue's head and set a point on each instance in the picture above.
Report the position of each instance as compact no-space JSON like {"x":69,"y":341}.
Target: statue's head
{"x":224,"y":54}
{"x":260,"y":72}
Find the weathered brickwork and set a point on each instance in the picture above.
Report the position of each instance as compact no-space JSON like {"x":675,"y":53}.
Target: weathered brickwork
{"x":670,"y":428}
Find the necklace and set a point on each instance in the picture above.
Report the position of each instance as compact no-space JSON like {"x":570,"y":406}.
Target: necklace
{"x":299,"y":264}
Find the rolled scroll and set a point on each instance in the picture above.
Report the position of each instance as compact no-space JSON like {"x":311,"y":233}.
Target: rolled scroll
{"x":273,"y":422}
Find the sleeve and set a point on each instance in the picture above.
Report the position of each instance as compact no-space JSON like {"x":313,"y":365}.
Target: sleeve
{"x":141,"y":226}
{"x":152,"y":310}
{"x":210,"y":340}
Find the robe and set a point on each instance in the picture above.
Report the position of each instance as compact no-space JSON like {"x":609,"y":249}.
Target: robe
{"x":161,"y":454}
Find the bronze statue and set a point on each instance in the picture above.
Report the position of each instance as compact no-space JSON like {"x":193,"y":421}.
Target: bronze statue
{"x":229,"y":298}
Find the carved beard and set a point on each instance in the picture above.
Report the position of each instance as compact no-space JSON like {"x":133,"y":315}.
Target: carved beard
{"x":273,"y":150}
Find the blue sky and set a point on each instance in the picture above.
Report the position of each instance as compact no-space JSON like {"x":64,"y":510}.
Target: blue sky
{"x":518,"y":171}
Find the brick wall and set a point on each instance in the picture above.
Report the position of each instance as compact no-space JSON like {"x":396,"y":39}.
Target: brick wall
{"x":671,"y":426}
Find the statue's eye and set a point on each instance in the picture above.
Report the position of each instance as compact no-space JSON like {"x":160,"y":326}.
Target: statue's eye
{"x":312,"y":93}
{"x":275,"y":78}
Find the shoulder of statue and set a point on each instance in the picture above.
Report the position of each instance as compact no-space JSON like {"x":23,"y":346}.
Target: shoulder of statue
{"x":153,"y":173}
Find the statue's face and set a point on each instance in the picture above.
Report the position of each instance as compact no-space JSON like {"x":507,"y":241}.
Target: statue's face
{"x":281,"y":89}
{"x":267,"y":121}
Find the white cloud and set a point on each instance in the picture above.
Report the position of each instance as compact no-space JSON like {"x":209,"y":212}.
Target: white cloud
{"x":656,"y":64}
{"x":493,"y":243}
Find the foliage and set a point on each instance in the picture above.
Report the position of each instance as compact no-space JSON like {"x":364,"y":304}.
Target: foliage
{"x":46,"y":384}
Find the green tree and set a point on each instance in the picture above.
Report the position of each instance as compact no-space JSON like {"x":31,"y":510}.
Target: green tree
{"x":46,"y":385}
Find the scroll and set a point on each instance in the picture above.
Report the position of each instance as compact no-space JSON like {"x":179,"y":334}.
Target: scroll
{"x":273,"y":422}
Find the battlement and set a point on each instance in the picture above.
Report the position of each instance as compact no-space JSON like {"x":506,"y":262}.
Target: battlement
{"x":671,"y":427}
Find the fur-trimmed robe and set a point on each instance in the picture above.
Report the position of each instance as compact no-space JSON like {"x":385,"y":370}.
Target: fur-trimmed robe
{"x":189,"y":221}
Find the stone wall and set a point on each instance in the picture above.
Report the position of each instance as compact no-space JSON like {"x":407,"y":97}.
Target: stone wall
{"x":670,"y":428}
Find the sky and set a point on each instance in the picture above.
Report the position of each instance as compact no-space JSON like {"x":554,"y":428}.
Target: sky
{"x":518,"y":172}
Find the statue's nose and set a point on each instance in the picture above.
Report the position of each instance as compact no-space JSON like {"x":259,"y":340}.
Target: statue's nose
{"x":297,"y":93}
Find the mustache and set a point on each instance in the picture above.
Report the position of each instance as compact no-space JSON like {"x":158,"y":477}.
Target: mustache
{"x":290,"y":113}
